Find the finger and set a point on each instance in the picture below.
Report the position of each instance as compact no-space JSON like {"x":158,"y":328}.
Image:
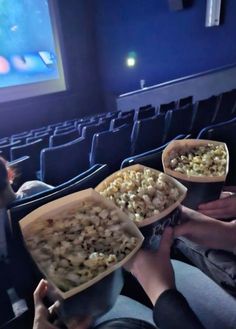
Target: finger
{"x":40,"y":292}
{"x":225,"y":194}
{"x":221,"y":203}
{"x":217,"y":213}
{"x":54,"y":308}
{"x":166,"y":241}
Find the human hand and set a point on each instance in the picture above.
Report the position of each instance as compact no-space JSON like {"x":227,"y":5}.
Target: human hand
{"x":153,"y":270}
{"x":206,"y":231}
{"x":223,"y":208}
{"x":42,"y":313}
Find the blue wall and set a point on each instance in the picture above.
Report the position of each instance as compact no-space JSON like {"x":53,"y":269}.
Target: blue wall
{"x":168,"y":44}
{"x":84,"y":95}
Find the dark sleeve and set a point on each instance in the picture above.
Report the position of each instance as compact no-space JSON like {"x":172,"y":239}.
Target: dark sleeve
{"x":172,"y":311}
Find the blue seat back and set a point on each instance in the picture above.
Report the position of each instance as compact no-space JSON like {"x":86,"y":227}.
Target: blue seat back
{"x":224,"y":132}
{"x":32,"y":149}
{"x":39,"y":130}
{"x":204,"y":113}
{"x":144,"y":113}
{"x":148,"y":134}
{"x":111,"y":147}
{"x":61,"y":163}
{"x":63,"y":129}
{"x":85,"y":124}
{"x":7,"y":148}
{"x":63,"y":138}
{"x":227,"y":106}
{"x":130,"y":112}
{"x":152,"y":158}
{"x":89,"y":131}
{"x":167,"y":106}
{"x":44,"y":137}
{"x":178,"y":122}
{"x":118,"y":122}
{"x":185,"y":101}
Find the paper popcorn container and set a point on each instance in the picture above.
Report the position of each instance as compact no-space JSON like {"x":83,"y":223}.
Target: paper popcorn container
{"x":98,"y":295}
{"x":201,"y":189}
{"x":153,"y":227}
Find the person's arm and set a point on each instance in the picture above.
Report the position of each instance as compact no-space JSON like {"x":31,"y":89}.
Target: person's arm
{"x":155,"y":273}
{"x":172,"y":311}
{"x":223,"y":208}
{"x":206,"y":231}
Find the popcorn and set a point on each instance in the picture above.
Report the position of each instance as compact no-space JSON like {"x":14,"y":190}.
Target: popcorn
{"x":79,"y":244}
{"x":206,"y":160}
{"x":141,"y":193}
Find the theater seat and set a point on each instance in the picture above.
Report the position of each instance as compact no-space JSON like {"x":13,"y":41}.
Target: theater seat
{"x":6,"y":148}
{"x":130,"y":112}
{"x":111,"y":147}
{"x":178,"y":122}
{"x":167,"y":106}
{"x":43,"y":136}
{"x":23,"y":171}
{"x":184,"y":101}
{"x":89,"y":131}
{"x":204,"y":113}
{"x":118,"y":122}
{"x":148,"y":134}
{"x":227,"y":106}
{"x":224,"y":132}
{"x":145,"y":112}
{"x":150,"y":158}
{"x":89,"y":178}
{"x":63,"y":138}
{"x":32,"y":149}
{"x":61,"y":163}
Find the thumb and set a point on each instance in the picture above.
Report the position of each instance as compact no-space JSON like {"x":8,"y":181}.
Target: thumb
{"x":166,"y":241}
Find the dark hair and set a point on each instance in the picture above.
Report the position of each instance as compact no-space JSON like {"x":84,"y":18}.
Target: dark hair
{"x":6,"y":174}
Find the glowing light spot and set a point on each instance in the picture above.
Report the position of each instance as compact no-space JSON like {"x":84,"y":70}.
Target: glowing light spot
{"x":14,"y":28}
{"x":4,"y":65}
{"x":130,"y":62}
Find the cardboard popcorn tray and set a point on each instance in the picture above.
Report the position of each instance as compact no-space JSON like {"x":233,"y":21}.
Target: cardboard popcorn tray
{"x":99,"y":294}
{"x":154,"y":226}
{"x":201,"y":189}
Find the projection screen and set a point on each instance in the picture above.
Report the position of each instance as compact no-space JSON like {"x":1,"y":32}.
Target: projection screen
{"x":30,"y":51}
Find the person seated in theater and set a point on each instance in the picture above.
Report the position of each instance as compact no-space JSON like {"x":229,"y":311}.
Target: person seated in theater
{"x":207,"y":238}
{"x":7,"y":194}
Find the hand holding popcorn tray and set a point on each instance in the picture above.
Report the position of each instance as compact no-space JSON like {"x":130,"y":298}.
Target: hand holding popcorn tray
{"x":80,"y":243}
{"x":149,"y":197}
{"x":200,"y":165}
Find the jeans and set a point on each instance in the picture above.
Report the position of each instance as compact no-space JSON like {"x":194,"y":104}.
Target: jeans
{"x":214,"y":307}
{"x":219,"y":265}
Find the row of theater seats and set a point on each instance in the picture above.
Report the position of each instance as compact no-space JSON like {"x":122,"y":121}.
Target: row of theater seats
{"x":113,"y":148}
{"x":106,"y":138}
{"x":111,"y":139}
